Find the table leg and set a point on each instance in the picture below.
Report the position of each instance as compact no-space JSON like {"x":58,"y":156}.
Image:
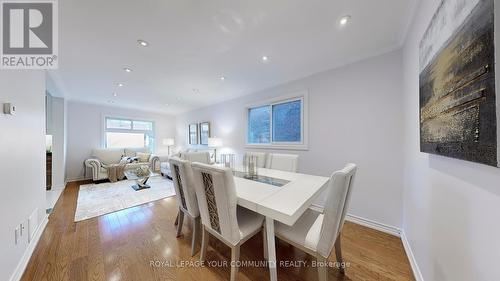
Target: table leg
{"x":271,"y":249}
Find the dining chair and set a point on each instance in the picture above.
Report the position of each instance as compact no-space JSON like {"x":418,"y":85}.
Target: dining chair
{"x":220,"y":215}
{"x":317,"y":233}
{"x":283,"y":162}
{"x":261,"y":158}
{"x":182,"y":176}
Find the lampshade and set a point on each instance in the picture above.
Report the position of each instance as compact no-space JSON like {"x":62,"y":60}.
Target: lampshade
{"x":214,"y":142}
{"x":168,"y":142}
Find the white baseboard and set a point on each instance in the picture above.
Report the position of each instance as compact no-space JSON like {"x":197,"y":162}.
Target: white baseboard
{"x":21,"y":266}
{"x":411,"y":258}
{"x":59,"y":187}
{"x":396,"y":231}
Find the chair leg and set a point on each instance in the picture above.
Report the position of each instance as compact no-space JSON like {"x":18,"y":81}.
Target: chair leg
{"x":204,"y":243}
{"x":338,"y":254}
{"x":264,"y":241}
{"x":235,"y":258}
{"x":322,"y":268}
{"x":196,"y":226}
{"x":177,"y":218}
{"x":179,"y":225}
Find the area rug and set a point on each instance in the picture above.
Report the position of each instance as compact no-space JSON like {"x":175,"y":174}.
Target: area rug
{"x":99,"y":199}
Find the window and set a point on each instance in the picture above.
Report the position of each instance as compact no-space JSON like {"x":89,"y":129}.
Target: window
{"x":120,"y":133}
{"x":279,"y":123}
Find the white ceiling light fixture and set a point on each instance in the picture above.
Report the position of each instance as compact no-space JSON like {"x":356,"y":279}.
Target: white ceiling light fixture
{"x":126,"y":69}
{"x":142,"y":43}
{"x":223,"y":78}
{"x":265,"y":59}
{"x":345,"y":20}
{"x":120,"y":84}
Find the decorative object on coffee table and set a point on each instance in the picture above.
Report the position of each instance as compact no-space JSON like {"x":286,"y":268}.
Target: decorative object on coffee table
{"x":141,"y":176}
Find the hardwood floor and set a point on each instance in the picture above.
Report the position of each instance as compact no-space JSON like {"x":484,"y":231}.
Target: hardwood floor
{"x":139,"y":243}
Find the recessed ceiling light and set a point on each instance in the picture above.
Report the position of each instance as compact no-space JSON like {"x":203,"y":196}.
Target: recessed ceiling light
{"x":142,"y":43}
{"x":265,"y":58}
{"x":345,"y":20}
{"x":222,"y":78}
{"x":127,"y":69}
{"x":120,"y":84}
{"x":115,"y":94}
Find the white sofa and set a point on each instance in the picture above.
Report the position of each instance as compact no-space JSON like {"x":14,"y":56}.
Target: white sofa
{"x":105,"y":156}
{"x":191,"y":156}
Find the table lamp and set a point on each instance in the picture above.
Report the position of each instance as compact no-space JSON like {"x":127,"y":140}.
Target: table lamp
{"x":168,"y":143}
{"x":215,"y":143}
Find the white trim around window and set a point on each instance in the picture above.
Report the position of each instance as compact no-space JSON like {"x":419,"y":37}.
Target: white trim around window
{"x":104,"y":129}
{"x":304,"y":144}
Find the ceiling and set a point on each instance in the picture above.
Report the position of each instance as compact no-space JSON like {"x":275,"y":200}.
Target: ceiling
{"x":192,"y":43}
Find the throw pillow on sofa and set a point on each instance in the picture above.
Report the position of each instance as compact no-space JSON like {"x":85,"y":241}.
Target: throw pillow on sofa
{"x":143,"y":157}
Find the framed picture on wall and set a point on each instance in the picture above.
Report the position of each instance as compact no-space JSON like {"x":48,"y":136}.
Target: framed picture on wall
{"x":204,"y":132}
{"x":193,"y":133}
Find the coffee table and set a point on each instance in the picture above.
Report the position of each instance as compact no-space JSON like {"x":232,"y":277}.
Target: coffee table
{"x":141,"y":181}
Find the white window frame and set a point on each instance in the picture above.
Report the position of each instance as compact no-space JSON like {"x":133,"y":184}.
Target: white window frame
{"x":132,"y":119}
{"x":304,"y":144}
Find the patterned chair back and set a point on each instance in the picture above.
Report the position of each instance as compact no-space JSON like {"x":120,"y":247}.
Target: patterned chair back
{"x":337,"y":202}
{"x":217,"y":199}
{"x":182,"y":176}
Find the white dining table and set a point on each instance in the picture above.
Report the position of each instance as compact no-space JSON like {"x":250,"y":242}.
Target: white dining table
{"x":284,"y":204}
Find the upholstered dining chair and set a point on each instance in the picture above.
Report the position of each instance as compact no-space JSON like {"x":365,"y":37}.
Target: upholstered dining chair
{"x":261,"y":158}
{"x":283,"y":162}
{"x":317,"y":233}
{"x":220,"y":215}
{"x":182,"y":176}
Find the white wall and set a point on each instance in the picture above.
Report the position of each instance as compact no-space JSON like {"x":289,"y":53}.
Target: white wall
{"x":85,"y":131}
{"x":355,"y":116}
{"x":451,"y":207}
{"x":22,"y":169}
{"x":57,"y":130}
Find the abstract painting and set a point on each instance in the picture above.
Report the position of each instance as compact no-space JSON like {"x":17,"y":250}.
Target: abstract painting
{"x":457,"y":83}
